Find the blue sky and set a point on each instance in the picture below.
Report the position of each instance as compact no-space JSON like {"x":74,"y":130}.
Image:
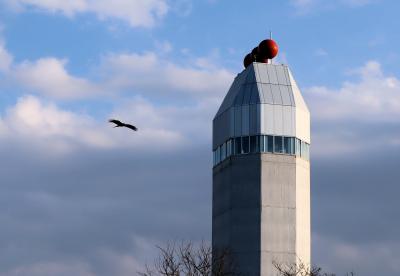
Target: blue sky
{"x":79,"y":198}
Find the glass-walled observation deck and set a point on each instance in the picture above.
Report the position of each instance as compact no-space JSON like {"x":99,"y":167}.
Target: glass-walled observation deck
{"x":261,"y":144}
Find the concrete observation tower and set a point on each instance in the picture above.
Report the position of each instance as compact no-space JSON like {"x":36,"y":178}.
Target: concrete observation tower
{"x":261,"y":173}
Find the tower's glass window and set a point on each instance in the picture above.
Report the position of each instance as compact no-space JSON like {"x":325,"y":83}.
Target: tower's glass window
{"x":306,"y":151}
{"x":245,"y":144}
{"x":214,"y":163}
{"x":238,"y":145}
{"x":228,"y":148}
{"x":298,"y":147}
{"x":286,"y":147}
{"x":254,"y":142}
{"x":262,"y":143}
{"x":270,"y":143}
{"x":223,"y":151}
{"x":278,"y":144}
{"x":292,"y":145}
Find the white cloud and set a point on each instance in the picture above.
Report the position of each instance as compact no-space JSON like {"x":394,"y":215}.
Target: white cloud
{"x":174,"y":123}
{"x":50,"y":77}
{"x":345,"y":118}
{"x":163,"y":47}
{"x":6,"y":58}
{"x":191,"y":94}
{"x":152,"y":74}
{"x":47,"y":126}
{"x":191,"y":121}
{"x":140,"y":74}
{"x":306,"y":6}
{"x":39,"y":125}
{"x":136,"y":13}
{"x":374,"y":97}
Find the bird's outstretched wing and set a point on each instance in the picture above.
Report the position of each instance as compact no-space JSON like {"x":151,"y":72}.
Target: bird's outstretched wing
{"x":121,"y":124}
{"x":118,"y":123}
{"x":131,"y":127}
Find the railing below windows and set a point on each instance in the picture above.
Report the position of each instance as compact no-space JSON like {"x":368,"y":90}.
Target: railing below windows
{"x":261,"y":143}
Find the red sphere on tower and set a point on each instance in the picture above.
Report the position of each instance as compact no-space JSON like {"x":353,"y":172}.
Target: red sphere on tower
{"x":255,"y":52}
{"x":268,"y":49}
{"x":248,"y":59}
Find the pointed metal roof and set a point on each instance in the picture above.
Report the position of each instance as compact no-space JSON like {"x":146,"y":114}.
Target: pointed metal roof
{"x":263,"y":99}
{"x":262,"y":83}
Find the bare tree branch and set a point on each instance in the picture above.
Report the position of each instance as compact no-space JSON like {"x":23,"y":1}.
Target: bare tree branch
{"x":299,"y":269}
{"x":189,"y":260}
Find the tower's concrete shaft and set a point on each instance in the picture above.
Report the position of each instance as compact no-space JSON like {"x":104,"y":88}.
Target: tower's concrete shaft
{"x":261,"y":174}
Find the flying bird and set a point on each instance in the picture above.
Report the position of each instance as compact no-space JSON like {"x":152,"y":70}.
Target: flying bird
{"x":121,"y":124}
